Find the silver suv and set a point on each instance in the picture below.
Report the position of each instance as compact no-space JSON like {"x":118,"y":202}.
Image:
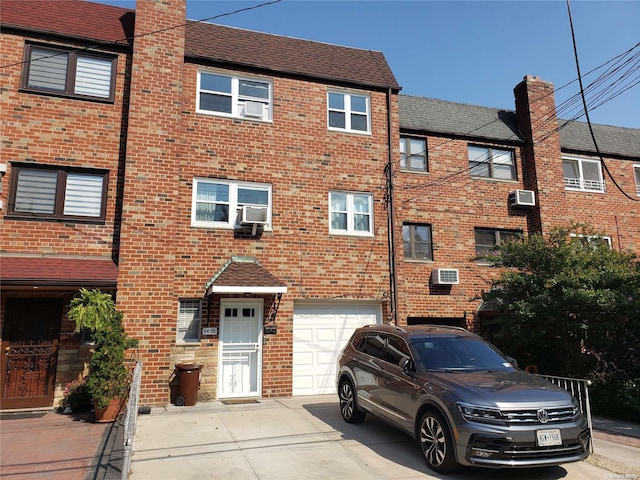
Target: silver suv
{"x":466,"y":402}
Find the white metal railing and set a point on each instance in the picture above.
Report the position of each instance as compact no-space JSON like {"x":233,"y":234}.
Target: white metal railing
{"x":584,"y":184}
{"x":579,"y":388}
{"x":131,"y":418}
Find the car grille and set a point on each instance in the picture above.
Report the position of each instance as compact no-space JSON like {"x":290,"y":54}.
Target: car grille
{"x":530,"y":416}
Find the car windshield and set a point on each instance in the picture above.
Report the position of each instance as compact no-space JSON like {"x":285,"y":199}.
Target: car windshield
{"x":458,"y":353}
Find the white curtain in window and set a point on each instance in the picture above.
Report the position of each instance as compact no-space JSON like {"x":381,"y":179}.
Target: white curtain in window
{"x":93,"y":77}
{"x":36,"y":191}
{"x":83,"y":196}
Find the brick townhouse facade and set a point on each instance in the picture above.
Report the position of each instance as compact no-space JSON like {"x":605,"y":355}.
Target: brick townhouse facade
{"x":230,"y":188}
{"x":236,"y":202}
{"x":470,"y":177}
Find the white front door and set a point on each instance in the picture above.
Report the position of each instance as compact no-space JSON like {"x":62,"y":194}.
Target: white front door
{"x":240,"y":372}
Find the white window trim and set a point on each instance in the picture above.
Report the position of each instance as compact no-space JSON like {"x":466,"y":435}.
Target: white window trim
{"x":581,"y":187}
{"x":232,"y":223}
{"x":636,"y":176}
{"x":180,"y":340}
{"x":605,"y":238}
{"x":350,"y":231}
{"x":347,"y":111}
{"x":237,"y":103}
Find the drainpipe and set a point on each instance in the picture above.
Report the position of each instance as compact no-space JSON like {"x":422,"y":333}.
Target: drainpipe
{"x":393,"y":284}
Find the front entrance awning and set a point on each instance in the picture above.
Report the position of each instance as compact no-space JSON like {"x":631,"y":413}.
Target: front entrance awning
{"x":45,"y":271}
{"x":244,"y":275}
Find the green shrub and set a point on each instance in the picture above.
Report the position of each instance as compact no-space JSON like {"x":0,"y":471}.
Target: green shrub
{"x":76,"y":396}
{"x":616,"y":398}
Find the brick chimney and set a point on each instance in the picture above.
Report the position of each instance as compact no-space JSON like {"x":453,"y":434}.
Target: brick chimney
{"x":542,"y":158}
{"x":147,"y":253}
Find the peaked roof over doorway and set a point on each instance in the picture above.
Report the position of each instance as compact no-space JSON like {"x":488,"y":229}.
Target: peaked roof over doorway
{"x":244,"y":275}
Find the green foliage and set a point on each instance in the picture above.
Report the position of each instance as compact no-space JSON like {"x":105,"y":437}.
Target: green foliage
{"x":568,"y":304}
{"x":91,"y":309}
{"x":76,"y":396}
{"x":108,"y":373}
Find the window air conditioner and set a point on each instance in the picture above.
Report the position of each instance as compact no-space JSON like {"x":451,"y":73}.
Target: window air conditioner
{"x":254,"y":109}
{"x":522,"y":198}
{"x":445,"y":276}
{"x":254,"y":215}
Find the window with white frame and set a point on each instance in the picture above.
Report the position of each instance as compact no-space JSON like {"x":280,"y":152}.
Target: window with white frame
{"x":413,"y":154}
{"x":219,"y":203}
{"x":348,"y":112}
{"x":636,"y":171}
{"x":594,"y":241}
{"x":417,"y":241}
{"x":53,"y":192}
{"x":69,"y":72}
{"x":234,"y":96}
{"x":350,"y":213}
{"x":491,"y":162}
{"x":582,"y":174}
{"x":189,"y":314}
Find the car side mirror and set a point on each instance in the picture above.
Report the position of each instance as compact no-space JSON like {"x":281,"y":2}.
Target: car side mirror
{"x":408,"y":368}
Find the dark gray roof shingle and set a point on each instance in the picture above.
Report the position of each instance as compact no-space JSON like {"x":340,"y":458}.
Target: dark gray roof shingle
{"x":450,"y":118}
{"x":459,"y":119}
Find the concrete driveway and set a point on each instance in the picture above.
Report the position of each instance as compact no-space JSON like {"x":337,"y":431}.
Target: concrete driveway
{"x":295,"y":438}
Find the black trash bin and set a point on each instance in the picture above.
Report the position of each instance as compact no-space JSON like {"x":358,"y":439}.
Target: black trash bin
{"x":188,"y":383}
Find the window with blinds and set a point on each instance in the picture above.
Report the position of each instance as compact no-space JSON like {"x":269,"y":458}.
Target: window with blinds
{"x":57,"y":192}
{"x":69,"y":72}
{"x":189,"y":312}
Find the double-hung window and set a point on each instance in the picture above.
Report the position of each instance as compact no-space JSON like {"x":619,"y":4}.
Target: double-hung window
{"x":413,"y":154}
{"x":491,"y":162}
{"x":234,"y":96}
{"x":349,"y":112}
{"x":221,"y":203}
{"x":594,"y":241}
{"x":350,"y":213}
{"x":69,"y":72}
{"x":582,"y":174}
{"x":48,"y":192}
{"x":417,"y":242}
{"x":488,"y":238}
{"x":636,"y":171}
{"x":189,"y":314}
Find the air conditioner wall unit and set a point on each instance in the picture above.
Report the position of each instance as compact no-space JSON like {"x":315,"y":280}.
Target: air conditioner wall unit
{"x":522,"y":198}
{"x":254,"y":109}
{"x":445,"y":276}
{"x":254,"y":215}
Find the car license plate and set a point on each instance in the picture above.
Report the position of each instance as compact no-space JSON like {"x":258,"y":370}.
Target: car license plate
{"x":549,"y":437}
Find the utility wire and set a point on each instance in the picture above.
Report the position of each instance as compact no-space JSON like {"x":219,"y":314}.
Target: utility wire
{"x":119,"y":42}
{"x":586,"y":110}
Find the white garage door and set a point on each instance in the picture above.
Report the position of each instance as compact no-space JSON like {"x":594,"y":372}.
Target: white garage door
{"x":319,"y":333}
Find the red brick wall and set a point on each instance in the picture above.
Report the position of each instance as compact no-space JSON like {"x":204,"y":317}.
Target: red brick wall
{"x":45,"y":129}
{"x":164,"y":259}
{"x":453,"y":208}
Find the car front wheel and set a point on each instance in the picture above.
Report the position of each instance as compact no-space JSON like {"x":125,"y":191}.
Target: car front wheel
{"x":348,"y":405}
{"x":436,"y":443}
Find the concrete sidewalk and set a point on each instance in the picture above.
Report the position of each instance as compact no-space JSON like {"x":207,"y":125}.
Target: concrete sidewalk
{"x":305,"y":438}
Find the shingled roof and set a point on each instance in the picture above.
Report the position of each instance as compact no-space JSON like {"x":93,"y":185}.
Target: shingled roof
{"x":244,"y":275}
{"x":58,"y":271}
{"x":207,"y":42}
{"x":471,"y":121}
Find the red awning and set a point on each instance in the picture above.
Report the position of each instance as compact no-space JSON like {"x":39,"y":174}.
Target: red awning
{"x":58,"y":271}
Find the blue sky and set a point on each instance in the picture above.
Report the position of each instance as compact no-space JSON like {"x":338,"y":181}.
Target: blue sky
{"x":471,"y":51}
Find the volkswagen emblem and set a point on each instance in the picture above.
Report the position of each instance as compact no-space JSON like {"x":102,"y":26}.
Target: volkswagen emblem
{"x":543,"y":416}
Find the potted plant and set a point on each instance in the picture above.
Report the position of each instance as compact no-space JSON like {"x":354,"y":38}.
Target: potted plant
{"x":108,"y":379}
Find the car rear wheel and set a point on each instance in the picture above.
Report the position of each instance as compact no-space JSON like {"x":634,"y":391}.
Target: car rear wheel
{"x":436,"y":443}
{"x":348,"y":405}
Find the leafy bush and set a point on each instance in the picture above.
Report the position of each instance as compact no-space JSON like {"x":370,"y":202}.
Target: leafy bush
{"x":76,"y":396}
{"x":616,"y":398}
